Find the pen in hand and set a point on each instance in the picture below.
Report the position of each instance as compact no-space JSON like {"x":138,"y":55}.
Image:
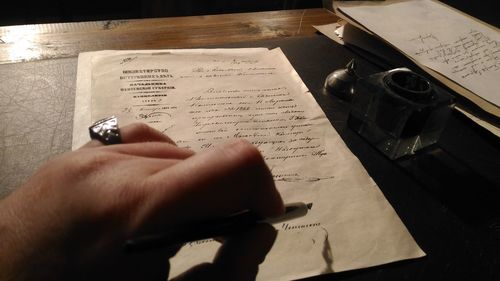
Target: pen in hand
{"x":212,"y":228}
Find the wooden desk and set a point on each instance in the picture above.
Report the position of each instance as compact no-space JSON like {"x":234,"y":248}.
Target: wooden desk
{"x":58,"y":40}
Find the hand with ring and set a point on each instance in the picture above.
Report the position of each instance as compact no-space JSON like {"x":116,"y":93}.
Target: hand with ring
{"x":72,"y":217}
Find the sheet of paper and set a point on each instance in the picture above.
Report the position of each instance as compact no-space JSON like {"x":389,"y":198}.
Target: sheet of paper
{"x":202,"y":98}
{"x":438,"y":37}
{"x":486,"y":125}
{"x":332,"y":30}
{"x":379,"y":51}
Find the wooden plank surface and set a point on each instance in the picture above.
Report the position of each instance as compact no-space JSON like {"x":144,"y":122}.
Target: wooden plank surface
{"x":58,"y":40}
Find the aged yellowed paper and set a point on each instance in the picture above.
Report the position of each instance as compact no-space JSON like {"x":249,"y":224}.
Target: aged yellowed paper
{"x":203,"y":97}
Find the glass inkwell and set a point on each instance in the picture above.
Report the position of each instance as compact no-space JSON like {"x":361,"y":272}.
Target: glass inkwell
{"x":399,"y":111}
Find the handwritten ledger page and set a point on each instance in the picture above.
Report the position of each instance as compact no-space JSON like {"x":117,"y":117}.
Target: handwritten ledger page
{"x":203,"y":97}
{"x":438,"y":37}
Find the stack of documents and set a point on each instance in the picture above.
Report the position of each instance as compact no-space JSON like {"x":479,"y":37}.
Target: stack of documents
{"x":458,"y":50}
{"x":203,"y":97}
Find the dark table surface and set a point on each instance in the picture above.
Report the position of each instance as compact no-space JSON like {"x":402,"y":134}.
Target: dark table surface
{"x":447,"y":195}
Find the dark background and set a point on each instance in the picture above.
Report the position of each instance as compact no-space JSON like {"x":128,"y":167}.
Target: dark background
{"x":15,"y":12}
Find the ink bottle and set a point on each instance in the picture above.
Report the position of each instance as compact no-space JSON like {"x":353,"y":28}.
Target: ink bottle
{"x":399,"y":111}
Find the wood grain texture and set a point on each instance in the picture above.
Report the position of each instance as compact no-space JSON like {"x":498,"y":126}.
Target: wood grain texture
{"x":58,"y":40}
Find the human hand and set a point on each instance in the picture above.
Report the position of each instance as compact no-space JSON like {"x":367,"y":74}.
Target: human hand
{"x":71,"y":218}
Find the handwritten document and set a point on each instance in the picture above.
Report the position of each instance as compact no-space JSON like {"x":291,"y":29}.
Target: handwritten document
{"x":455,"y":45}
{"x":203,"y":97}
